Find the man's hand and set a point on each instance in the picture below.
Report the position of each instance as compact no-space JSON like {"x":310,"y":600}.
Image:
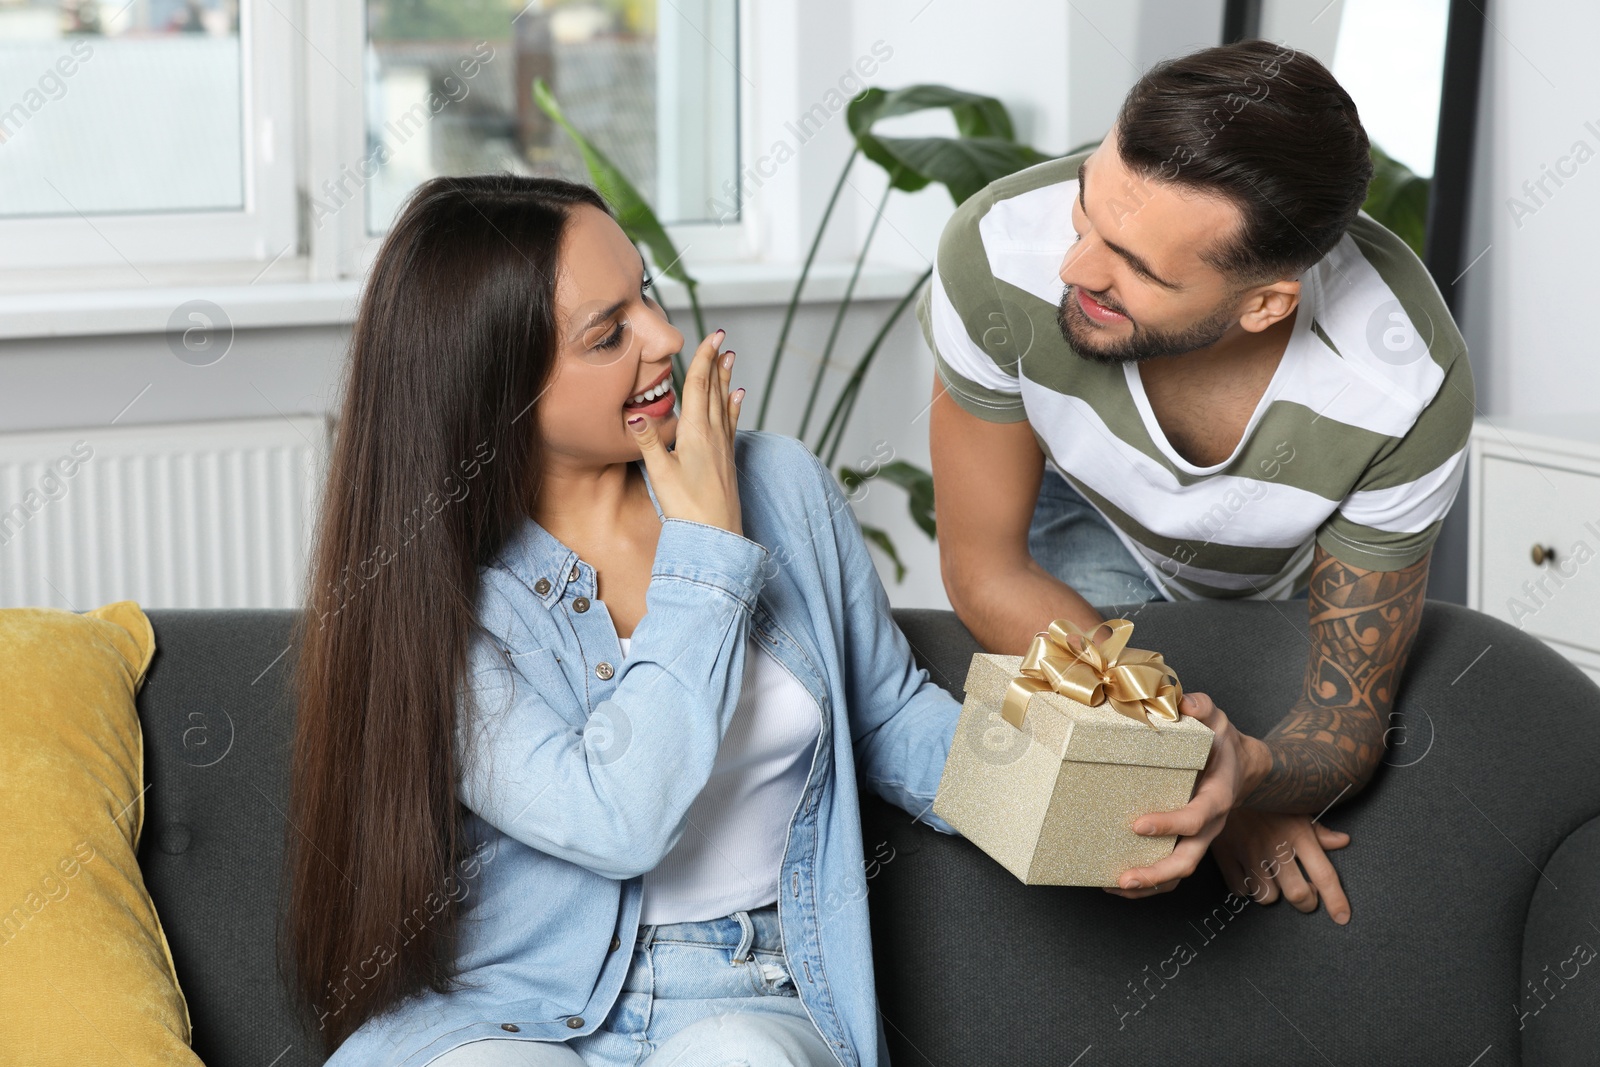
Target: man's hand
{"x":1236,"y":764}
{"x":1264,"y":855}
{"x":1363,"y":623}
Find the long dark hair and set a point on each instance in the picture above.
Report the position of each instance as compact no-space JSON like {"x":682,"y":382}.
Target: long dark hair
{"x":1267,"y":127}
{"x":434,"y":463}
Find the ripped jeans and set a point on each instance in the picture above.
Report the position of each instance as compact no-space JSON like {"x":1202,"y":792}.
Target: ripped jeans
{"x":714,"y":993}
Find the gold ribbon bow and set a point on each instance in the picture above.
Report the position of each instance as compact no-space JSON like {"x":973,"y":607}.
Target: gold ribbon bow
{"x":1136,"y":681}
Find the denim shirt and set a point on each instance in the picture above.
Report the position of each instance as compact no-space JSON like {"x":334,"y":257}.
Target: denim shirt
{"x":579,"y":767}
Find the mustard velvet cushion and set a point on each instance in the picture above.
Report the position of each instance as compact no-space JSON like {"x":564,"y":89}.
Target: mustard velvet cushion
{"x":86,"y":976}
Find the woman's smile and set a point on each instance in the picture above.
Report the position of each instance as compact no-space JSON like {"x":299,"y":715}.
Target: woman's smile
{"x":657,"y":400}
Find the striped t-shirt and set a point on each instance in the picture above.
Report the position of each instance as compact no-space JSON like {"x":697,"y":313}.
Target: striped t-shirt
{"x":1357,"y":445}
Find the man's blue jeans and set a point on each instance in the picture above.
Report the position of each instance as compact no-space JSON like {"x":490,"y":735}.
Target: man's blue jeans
{"x":1070,"y":540}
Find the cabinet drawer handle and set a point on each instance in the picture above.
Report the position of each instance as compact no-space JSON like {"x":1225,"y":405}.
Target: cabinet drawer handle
{"x":1542,"y":555}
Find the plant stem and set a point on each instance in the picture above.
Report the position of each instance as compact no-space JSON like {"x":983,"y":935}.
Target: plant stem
{"x":794,"y":299}
{"x":844,"y":306}
{"x":846,"y":402}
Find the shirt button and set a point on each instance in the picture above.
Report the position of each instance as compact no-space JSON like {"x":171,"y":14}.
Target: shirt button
{"x":581,"y":605}
{"x":575,"y":1023}
{"x":510,"y":1028}
{"x":616,"y":942}
{"x":542,"y":586}
{"x":573,"y":575}
{"x":603,"y":671}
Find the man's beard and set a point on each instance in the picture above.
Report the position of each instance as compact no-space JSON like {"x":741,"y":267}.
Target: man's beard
{"x":1143,"y":343}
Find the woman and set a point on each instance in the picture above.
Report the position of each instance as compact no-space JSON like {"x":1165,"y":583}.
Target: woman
{"x":586,"y":683}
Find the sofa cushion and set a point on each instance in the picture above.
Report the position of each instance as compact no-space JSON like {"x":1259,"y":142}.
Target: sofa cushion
{"x":1557,"y":1008}
{"x":85,"y":970}
{"x":218,"y":718}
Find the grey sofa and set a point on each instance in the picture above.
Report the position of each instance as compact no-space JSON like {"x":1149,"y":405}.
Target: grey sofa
{"x":1474,"y":872}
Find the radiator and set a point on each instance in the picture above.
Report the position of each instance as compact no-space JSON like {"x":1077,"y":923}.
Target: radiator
{"x":198,"y":515}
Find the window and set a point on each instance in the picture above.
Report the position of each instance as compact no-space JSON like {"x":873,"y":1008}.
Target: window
{"x":1390,"y":58}
{"x":448,"y":88}
{"x":139,"y":133}
{"x":137,"y":136}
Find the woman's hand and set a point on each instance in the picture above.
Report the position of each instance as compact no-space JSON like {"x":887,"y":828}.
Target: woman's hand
{"x":697,"y":480}
{"x":1264,"y":855}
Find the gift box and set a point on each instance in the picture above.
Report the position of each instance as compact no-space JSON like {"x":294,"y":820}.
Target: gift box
{"x":1057,"y":752}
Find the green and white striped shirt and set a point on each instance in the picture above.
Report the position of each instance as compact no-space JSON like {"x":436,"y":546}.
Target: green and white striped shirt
{"x":1358,"y":443}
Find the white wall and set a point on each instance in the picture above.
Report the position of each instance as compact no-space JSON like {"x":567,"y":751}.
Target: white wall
{"x":1531,"y":294}
{"x":62,"y":382}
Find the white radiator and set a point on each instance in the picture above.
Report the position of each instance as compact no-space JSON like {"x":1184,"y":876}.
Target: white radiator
{"x":198,"y":515}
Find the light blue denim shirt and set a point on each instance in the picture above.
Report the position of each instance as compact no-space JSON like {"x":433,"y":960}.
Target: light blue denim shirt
{"x":580,"y":766}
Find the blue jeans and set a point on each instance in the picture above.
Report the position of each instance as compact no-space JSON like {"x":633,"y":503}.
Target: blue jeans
{"x":698,"y":994}
{"x":1073,"y":542}
{"x":1070,"y":540}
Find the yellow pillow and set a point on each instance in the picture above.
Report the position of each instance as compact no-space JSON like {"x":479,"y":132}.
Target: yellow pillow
{"x":85,"y":972}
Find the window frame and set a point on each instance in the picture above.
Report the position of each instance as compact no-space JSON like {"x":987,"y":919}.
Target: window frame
{"x":151,"y":244}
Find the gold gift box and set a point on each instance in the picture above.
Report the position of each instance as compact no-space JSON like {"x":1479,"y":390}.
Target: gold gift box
{"x":1053,"y":801}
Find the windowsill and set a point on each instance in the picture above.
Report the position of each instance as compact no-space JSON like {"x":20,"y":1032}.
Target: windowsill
{"x":98,"y":312}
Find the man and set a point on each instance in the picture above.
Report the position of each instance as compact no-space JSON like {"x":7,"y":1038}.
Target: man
{"x":1182,"y":365}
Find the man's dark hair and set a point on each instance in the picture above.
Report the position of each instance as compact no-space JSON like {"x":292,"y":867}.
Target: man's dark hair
{"x":1265,"y":126}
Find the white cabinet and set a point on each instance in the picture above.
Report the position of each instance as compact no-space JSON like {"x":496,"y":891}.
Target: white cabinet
{"x":1534,"y":546}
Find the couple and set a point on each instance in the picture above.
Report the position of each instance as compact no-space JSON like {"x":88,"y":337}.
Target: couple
{"x":576,"y":769}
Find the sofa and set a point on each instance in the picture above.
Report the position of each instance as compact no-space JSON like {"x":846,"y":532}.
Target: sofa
{"x":1473,"y":871}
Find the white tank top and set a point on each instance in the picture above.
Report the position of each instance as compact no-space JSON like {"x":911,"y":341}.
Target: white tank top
{"x":729,"y":855}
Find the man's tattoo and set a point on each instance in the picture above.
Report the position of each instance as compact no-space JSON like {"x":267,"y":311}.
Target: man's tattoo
{"x":1362,"y":626}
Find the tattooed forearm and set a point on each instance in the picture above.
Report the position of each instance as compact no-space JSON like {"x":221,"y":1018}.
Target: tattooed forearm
{"x":1362,"y":626}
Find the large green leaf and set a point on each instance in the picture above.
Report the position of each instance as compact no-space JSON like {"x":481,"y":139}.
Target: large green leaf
{"x":634,"y":215}
{"x":984,"y":149}
{"x":975,"y":115}
{"x":962,"y":165}
{"x":917,"y":482}
{"x":881,"y":538}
